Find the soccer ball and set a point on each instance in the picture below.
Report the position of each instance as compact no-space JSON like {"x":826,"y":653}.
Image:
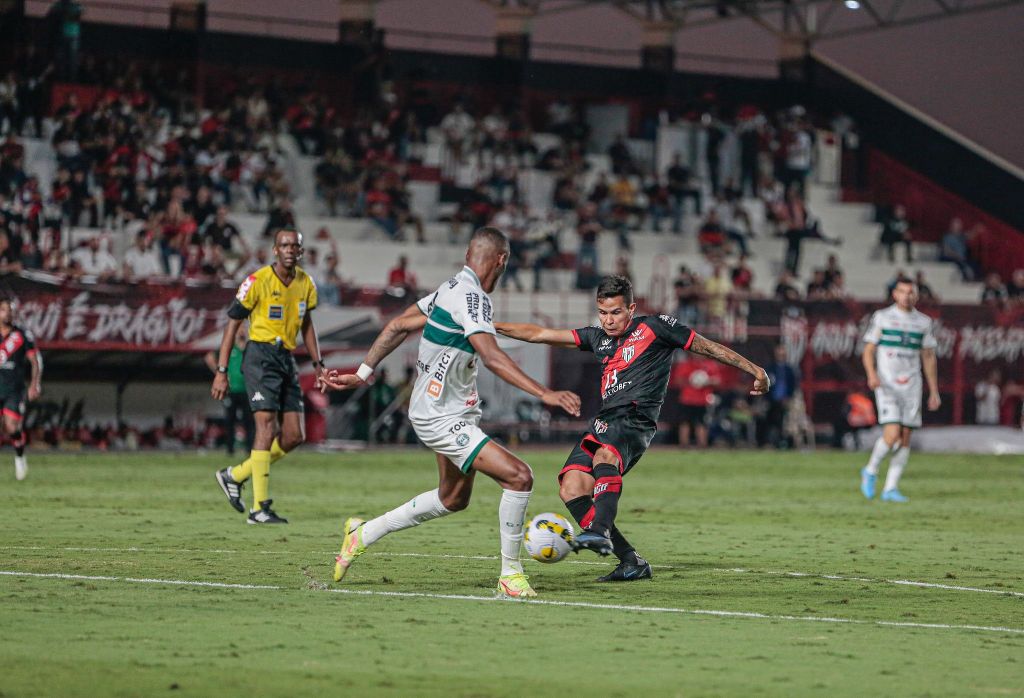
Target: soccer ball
{"x":548,"y":537}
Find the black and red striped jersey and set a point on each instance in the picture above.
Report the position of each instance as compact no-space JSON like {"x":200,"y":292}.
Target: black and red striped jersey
{"x":15,"y":349}
{"x":636,"y":366}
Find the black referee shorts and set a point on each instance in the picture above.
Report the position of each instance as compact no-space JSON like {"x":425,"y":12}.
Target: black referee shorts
{"x":621,"y":430}
{"x":271,"y":378}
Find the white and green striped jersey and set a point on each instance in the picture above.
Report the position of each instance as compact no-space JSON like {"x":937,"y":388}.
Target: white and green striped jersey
{"x":447,"y":363}
{"x":899,"y":337}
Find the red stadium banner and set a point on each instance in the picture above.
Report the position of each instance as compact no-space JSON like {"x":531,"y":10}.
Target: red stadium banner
{"x":87,"y":95}
{"x":823,"y":339}
{"x":116,"y":317}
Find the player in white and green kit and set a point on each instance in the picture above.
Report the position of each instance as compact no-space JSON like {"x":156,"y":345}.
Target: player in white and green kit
{"x":898,"y":343}
{"x":458,"y":333}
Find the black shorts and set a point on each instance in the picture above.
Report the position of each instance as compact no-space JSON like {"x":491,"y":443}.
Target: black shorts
{"x":622,"y":430}
{"x":692,"y":414}
{"x":12,"y":402}
{"x":271,"y":378}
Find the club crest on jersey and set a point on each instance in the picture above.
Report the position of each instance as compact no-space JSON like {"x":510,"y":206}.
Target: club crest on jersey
{"x":600,"y":426}
{"x":627,"y":353}
{"x":10,"y":346}
{"x":462,"y":439}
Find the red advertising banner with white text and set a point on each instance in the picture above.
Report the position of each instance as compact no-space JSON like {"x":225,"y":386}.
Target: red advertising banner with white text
{"x":823,"y":339}
{"x":157,"y":318}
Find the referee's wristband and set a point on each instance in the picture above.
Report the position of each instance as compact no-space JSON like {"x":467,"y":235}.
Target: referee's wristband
{"x":364,"y":372}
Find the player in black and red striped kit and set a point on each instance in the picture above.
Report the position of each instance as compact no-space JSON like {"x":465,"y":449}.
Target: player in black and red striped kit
{"x":19,"y":359}
{"x":636,"y":353}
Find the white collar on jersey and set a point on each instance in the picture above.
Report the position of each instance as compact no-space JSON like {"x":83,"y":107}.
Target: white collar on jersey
{"x":900,"y":310}
{"x":471,"y":273}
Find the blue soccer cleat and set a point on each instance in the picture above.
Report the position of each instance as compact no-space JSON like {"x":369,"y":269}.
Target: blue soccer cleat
{"x":867,"y":483}
{"x":598,"y":541}
{"x":894,"y":495}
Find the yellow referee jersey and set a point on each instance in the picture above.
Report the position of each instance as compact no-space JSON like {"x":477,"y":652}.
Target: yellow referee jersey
{"x":275,"y":310}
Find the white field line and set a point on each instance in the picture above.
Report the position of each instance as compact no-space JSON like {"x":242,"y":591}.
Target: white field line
{"x":535,"y":602}
{"x":447,"y":556}
{"x":137,"y":580}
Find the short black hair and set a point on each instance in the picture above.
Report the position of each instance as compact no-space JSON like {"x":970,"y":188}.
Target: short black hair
{"x":612,"y":286}
{"x":492,"y":235}
{"x":904,"y":280}
{"x":287,"y":230}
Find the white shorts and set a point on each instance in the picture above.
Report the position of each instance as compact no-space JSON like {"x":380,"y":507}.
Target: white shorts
{"x":458,"y":439}
{"x":901,"y":407}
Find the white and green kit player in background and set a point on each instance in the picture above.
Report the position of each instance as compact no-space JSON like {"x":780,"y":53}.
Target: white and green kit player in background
{"x":899,"y":341}
{"x":458,"y":332}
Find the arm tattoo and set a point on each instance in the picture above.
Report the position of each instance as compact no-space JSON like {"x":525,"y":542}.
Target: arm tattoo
{"x":705,"y":347}
{"x":387,"y":341}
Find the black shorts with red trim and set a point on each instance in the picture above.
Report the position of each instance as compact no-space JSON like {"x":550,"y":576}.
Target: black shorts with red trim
{"x":12,"y":403}
{"x":622,"y":430}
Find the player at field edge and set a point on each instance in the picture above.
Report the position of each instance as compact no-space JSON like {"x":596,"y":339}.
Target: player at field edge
{"x":17,"y":348}
{"x":458,"y":329}
{"x":635,"y":353}
{"x":236,"y":403}
{"x":899,"y":342}
{"x":278,"y":301}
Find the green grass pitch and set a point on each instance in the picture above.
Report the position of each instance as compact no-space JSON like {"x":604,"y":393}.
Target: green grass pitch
{"x":773,"y":576}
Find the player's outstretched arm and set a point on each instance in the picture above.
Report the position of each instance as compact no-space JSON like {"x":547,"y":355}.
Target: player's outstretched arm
{"x":535,"y":334}
{"x":502,"y":365}
{"x":389,"y":339}
{"x":394,"y":333}
{"x":722,"y":354}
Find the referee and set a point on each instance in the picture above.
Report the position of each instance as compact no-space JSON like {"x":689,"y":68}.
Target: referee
{"x":278,"y":301}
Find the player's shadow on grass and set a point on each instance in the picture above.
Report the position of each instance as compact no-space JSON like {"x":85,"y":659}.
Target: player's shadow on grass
{"x":684,"y":565}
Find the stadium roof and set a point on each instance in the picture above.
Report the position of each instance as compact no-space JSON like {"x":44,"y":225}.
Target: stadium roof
{"x":805,"y":20}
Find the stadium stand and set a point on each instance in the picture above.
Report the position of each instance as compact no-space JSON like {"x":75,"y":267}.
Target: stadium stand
{"x":125,"y":179}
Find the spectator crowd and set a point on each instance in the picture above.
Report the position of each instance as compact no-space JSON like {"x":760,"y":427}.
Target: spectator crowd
{"x":162,"y":178}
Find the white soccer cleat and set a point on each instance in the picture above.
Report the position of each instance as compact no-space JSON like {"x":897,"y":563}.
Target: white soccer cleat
{"x":20,"y":467}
